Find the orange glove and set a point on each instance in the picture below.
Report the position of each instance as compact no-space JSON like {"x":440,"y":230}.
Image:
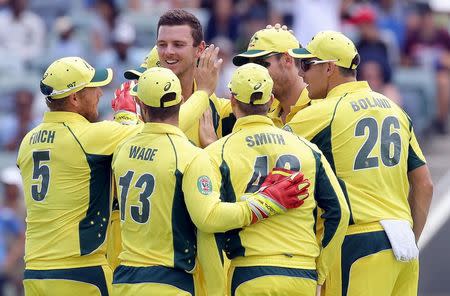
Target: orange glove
{"x":281,"y":190}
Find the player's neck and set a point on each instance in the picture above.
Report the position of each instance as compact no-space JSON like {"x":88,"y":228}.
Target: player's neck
{"x":171,"y":120}
{"x":338,"y":81}
{"x":291,"y":95}
{"x":187,"y":84}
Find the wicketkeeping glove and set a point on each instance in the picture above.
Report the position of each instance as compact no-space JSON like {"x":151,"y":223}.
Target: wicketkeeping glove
{"x":127,"y":111}
{"x":281,"y":190}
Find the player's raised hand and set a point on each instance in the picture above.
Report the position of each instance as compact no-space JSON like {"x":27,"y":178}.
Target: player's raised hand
{"x":283,"y":189}
{"x":207,"y":134}
{"x":207,"y":72}
{"x":126,"y":110}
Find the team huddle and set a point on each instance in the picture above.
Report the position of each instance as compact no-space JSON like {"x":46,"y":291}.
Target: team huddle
{"x":303,"y":182}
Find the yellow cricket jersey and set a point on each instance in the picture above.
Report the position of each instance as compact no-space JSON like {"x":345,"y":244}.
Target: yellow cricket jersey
{"x":370,"y":144}
{"x":276,"y":112}
{"x":242,"y":160}
{"x":166,"y":189}
{"x":222,"y":116}
{"x":65,"y":164}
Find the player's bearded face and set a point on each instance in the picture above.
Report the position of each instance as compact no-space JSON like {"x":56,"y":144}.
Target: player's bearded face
{"x":176,"y":50}
{"x":89,"y":98}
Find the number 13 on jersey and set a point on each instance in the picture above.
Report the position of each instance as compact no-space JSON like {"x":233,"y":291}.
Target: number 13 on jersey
{"x":139,"y":213}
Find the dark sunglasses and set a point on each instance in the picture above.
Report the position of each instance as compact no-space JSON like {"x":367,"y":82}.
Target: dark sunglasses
{"x":305,"y":65}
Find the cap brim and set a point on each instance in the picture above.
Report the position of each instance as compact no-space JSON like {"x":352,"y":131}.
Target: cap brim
{"x":300,"y":53}
{"x":101,"y":77}
{"x":243,"y":58}
{"x":134,"y":74}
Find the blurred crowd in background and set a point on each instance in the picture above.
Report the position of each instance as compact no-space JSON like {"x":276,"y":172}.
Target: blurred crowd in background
{"x":404,"y":47}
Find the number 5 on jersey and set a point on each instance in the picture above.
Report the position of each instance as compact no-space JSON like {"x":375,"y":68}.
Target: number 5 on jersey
{"x":139,"y":213}
{"x":41,"y":175}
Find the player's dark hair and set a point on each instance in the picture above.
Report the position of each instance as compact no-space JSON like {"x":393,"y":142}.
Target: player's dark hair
{"x":57,"y":104}
{"x":161,"y":113}
{"x":252,"y":109}
{"x":179,"y":17}
{"x":347,"y":72}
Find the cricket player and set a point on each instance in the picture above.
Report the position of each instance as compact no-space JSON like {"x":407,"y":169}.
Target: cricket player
{"x":280,"y":256}
{"x":370,"y":144}
{"x":269,"y":48}
{"x":179,"y":45}
{"x":166,"y":189}
{"x":65,"y":164}
{"x":127,"y":111}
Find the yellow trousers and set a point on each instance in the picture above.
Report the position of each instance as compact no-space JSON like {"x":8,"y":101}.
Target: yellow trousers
{"x":152,"y":280}
{"x":91,"y":281}
{"x":271,"y":281}
{"x":367,"y":266}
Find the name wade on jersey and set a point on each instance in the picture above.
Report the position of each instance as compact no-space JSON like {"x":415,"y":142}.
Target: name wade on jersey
{"x":142,"y":153}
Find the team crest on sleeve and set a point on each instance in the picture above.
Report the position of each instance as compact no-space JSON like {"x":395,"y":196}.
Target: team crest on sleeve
{"x":204,"y":185}
{"x":287,"y":128}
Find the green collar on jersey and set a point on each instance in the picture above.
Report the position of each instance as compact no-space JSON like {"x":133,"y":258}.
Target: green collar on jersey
{"x":349,"y":87}
{"x":252,"y":120}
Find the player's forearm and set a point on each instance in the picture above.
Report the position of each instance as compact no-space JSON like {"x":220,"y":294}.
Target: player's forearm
{"x":419,"y":198}
{"x":224,"y":216}
{"x":192,"y":110}
{"x":419,"y":202}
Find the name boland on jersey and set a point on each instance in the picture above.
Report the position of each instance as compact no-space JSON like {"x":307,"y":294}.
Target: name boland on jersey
{"x":164,"y":186}
{"x":65,"y":164}
{"x":370,"y":144}
{"x":244,"y":158}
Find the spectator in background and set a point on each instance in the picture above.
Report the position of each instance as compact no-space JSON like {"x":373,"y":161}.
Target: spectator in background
{"x":104,"y":24}
{"x":391,"y":15}
{"x":370,"y":46}
{"x":226,"y":71}
{"x":223,"y":21}
{"x":372,"y":72}
{"x":428,"y":46}
{"x":254,"y":19}
{"x":311,"y":17}
{"x":65,"y":43}
{"x":22,"y":33}
{"x":122,"y":55}
{"x":14,"y":125}
{"x":12,"y":230}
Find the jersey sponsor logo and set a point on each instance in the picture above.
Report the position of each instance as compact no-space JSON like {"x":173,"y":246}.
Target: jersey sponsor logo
{"x":204,"y":185}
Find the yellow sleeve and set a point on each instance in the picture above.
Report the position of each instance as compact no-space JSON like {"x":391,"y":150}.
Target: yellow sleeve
{"x":114,"y":241}
{"x":202,"y":199}
{"x":415,"y":155}
{"x":331,"y":200}
{"x":192,"y":110}
{"x":106,"y":135}
{"x":311,"y":122}
{"x":210,"y":264}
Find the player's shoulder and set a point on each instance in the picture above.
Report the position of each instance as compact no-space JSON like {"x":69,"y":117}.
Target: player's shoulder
{"x":216,"y":147}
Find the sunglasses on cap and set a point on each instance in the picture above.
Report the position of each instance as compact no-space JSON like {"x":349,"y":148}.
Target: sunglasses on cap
{"x":262,"y":60}
{"x":305,"y":65}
